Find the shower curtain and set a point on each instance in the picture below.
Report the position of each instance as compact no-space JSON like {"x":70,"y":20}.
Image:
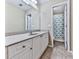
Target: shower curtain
{"x":58,"y":26}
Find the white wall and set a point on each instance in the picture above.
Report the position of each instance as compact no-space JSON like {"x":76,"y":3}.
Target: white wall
{"x":46,"y":16}
{"x":14,"y":21}
{"x":35,"y":18}
{"x":45,"y":13}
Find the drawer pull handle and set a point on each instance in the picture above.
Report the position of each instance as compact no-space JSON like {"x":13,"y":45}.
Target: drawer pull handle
{"x":23,"y":46}
{"x":30,"y":48}
{"x":41,"y":35}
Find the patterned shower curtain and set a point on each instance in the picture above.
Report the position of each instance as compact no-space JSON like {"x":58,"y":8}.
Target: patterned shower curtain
{"x":58,"y":26}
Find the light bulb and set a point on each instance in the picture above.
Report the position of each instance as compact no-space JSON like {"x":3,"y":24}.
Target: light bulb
{"x":26,"y":1}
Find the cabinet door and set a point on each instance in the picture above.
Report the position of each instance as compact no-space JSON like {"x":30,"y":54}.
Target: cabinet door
{"x":43,"y":42}
{"x":36,"y":48}
{"x":45,"y":38}
{"x":23,"y":55}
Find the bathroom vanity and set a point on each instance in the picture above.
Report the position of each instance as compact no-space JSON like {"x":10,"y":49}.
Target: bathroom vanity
{"x":26,"y":46}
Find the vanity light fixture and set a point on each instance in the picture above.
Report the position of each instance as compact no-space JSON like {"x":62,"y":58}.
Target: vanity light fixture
{"x":26,"y":1}
{"x":31,"y":3}
{"x":34,"y":1}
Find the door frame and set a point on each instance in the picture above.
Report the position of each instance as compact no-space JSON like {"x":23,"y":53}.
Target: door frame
{"x":68,"y":18}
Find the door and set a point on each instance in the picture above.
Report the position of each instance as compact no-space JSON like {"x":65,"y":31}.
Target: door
{"x":65,"y":26}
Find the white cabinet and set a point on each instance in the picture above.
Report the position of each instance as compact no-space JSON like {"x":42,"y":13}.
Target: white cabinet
{"x":28,"y":49}
{"x":40,"y":43}
{"x":45,"y":39}
{"x":43,"y":42}
{"x":22,"y":50}
{"x":36,"y":47}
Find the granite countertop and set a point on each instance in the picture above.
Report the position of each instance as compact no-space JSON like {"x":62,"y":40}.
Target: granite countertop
{"x":21,"y":37}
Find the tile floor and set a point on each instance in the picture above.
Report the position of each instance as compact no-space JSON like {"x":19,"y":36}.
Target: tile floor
{"x":58,"y":52}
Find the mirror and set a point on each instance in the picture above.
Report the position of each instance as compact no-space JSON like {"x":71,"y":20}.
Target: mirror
{"x":16,"y":14}
{"x":33,"y":20}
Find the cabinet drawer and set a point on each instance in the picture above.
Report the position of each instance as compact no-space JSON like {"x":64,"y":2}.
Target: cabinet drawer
{"x":19,"y":47}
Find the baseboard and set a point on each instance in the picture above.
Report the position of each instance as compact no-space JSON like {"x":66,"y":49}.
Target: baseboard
{"x":59,"y":40}
{"x":71,"y":52}
{"x":50,"y":46}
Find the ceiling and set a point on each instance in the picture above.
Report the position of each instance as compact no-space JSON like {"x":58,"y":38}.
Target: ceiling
{"x":59,"y":9}
{"x":24,"y":6}
{"x":17,"y":2}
